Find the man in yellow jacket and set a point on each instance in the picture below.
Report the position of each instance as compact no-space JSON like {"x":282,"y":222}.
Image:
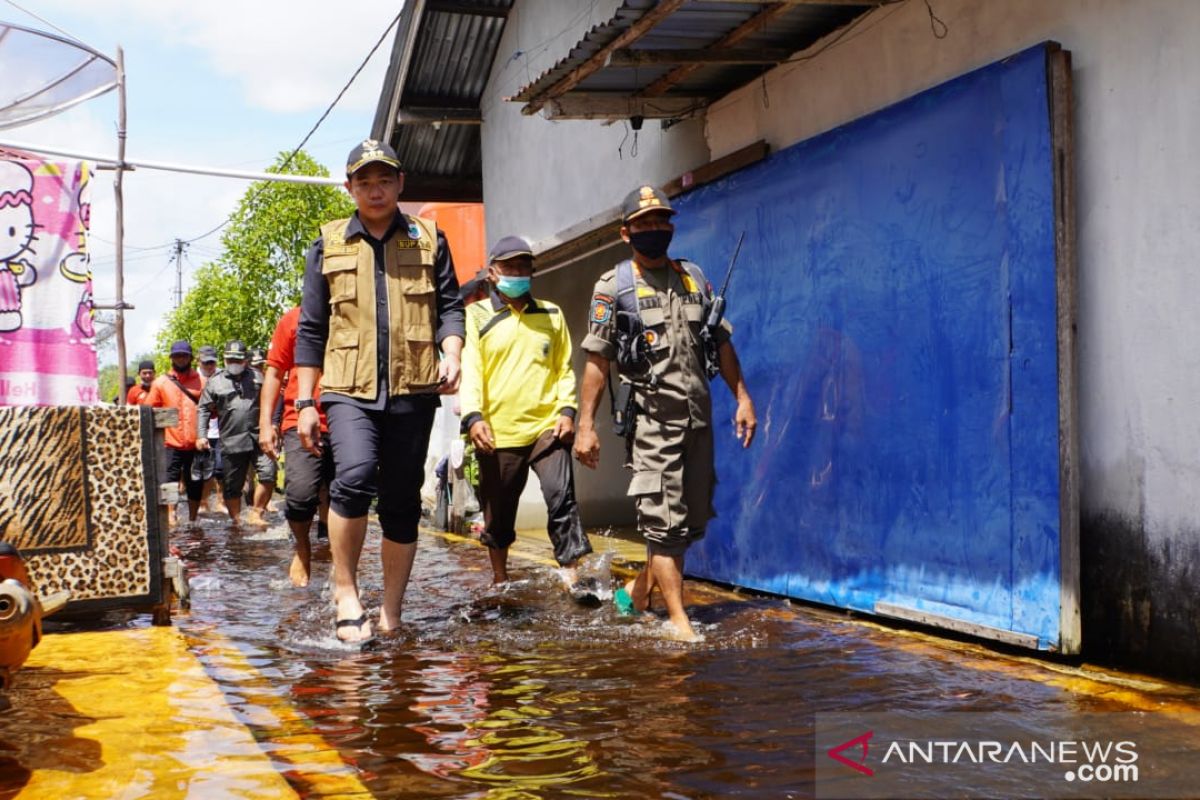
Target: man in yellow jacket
{"x":518,"y":406}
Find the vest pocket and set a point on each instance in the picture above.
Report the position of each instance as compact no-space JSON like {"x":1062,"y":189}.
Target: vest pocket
{"x":341,"y":361}
{"x":420,"y":303}
{"x":342,"y":273}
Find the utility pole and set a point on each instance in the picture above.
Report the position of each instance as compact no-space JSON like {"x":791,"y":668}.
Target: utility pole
{"x":180,"y":246}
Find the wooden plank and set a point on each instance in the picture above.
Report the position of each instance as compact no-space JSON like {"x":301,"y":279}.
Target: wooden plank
{"x":743,"y":31}
{"x":573,"y":78}
{"x":950,"y":623}
{"x":1062,"y":136}
{"x":604,"y":229}
{"x":617,"y":105}
{"x":714,"y":170}
{"x":644,"y":58}
{"x":166,"y":417}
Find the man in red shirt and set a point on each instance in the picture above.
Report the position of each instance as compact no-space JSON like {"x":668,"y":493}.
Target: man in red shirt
{"x":180,"y":389}
{"x":137,"y":393}
{"x":307,"y":486}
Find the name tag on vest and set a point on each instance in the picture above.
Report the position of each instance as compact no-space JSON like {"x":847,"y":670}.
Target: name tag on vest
{"x":409,"y":244}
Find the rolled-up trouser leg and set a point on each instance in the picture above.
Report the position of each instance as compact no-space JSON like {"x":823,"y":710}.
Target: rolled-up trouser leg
{"x":552,"y":463}
{"x":502,"y":477}
{"x":354,"y":437}
{"x":402,"y":453}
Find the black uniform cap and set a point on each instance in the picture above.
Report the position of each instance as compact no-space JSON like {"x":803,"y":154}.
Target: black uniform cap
{"x":643,"y":200}
{"x":370,"y":152}
{"x":235,"y":350}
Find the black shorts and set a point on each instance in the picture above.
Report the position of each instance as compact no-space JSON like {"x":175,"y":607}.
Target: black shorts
{"x":179,"y":467}
{"x":237,"y":466}
{"x":379,"y":453}
{"x":306,"y":474}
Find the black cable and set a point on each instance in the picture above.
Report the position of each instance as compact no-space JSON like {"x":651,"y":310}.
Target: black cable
{"x":312,"y":130}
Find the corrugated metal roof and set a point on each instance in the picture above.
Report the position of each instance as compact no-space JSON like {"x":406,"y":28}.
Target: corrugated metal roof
{"x":694,"y":26}
{"x":444,"y":50}
{"x":440,"y":64}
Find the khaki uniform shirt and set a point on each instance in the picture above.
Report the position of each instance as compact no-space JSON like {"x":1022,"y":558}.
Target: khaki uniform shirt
{"x":672,"y":311}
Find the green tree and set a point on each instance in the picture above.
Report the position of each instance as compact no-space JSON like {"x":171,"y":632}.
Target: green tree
{"x":260,"y":272}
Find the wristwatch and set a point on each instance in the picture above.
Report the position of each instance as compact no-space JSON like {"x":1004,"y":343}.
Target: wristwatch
{"x":303,"y":404}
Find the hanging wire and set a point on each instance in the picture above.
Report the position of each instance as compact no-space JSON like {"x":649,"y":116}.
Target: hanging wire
{"x":311,"y":131}
{"x":45,"y":21}
{"x":935,"y":21}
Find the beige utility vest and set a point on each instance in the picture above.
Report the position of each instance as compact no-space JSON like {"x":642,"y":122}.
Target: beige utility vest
{"x":351,"y":357}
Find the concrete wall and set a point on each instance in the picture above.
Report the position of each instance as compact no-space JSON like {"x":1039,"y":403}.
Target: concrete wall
{"x":541,"y":177}
{"x":1137,"y":122}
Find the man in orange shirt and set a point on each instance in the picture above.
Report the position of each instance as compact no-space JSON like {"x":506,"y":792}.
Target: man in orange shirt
{"x":307,"y":487}
{"x":137,"y":393}
{"x":180,"y":389}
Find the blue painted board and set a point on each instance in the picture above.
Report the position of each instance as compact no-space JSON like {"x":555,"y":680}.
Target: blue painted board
{"x":894,"y":309}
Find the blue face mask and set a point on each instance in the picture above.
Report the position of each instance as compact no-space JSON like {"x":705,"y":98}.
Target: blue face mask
{"x":513,"y":287}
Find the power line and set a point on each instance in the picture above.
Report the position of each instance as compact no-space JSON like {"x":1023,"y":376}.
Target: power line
{"x":312,"y":130}
{"x":45,"y":21}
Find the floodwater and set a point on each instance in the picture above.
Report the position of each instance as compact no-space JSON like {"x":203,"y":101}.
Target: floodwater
{"x":520,"y":693}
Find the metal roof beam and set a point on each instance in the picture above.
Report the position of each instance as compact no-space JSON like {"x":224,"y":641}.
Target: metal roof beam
{"x":617,"y":105}
{"x":434,"y":188}
{"x":644,"y":58}
{"x":437,"y":116}
{"x":637,"y":30}
{"x":433,"y":102}
{"x":743,"y":31}
{"x":466,"y":8}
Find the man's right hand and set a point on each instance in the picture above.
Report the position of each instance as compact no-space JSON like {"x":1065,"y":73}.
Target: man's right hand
{"x":202,"y":444}
{"x":587,"y":446}
{"x":481,"y":437}
{"x":268,"y":441}
{"x":309,"y":427}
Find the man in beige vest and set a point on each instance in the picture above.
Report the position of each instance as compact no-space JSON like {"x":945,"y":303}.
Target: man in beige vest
{"x":381,"y":326}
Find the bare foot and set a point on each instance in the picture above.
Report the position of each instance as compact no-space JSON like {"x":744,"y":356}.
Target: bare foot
{"x":254,"y":517}
{"x":385,"y":621}
{"x":684,"y":631}
{"x":352,"y":623}
{"x":298,"y":571}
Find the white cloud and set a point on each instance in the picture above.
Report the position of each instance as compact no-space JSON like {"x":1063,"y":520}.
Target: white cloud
{"x":286,"y":56}
{"x":283,"y":56}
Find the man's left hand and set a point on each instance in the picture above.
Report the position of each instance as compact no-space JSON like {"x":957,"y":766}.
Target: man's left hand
{"x":564,"y":430}
{"x":449,"y":371}
{"x":745,"y":422}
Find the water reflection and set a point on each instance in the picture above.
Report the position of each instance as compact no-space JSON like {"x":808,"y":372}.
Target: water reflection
{"x":517,"y":692}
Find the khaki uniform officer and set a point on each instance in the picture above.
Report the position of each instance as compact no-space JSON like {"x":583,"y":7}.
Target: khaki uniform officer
{"x":647,"y":315}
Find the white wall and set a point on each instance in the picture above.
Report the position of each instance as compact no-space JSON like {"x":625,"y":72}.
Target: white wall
{"x":1138,"y":166}
{"x":1137,"y":120}
{"x":541,"y":177}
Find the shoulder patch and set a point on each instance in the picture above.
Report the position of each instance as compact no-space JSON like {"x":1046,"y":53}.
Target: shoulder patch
{"x":601,"y":308}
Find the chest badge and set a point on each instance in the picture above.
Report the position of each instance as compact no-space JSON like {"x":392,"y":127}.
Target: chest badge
{"x":413,"y":231}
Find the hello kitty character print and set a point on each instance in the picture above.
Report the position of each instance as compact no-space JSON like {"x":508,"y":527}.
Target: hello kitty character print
{"x":17,"y":229}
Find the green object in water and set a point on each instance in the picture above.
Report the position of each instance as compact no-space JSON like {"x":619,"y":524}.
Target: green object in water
{"x":623,"y":602}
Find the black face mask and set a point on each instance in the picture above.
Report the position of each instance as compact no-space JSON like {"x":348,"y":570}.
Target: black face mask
{"x":651,"y":244}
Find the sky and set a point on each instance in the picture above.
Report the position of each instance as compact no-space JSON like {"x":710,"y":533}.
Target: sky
{"x":215,"y":83}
